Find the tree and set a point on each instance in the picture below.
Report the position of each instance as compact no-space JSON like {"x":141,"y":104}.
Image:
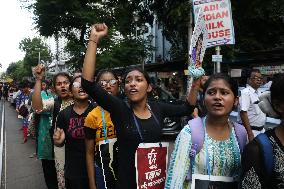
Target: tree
{"x":17,"y":71}
{"x":34,"y":48}
{"x":72,"y":19}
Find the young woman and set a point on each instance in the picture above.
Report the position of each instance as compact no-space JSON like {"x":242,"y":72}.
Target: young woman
{"x":53,"y":169}
{"x":219,"y":154}
{"x":22,"y":107}
{"x":136,"y":120}
{"x":99,"y":128}
{"x":255,"y":173}
{"x":69,"y":131}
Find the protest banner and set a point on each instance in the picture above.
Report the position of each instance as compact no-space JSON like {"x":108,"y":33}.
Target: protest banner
{"x":198,"y":46}
{"x":218,"y":20}
{"x":151,"y":165}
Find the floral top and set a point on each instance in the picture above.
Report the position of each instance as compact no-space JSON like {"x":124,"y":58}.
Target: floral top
{"x":253,"y":174}
{"x":223,"y":156}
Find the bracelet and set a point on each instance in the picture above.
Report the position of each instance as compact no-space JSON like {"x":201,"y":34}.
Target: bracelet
{"x":93,"y":41}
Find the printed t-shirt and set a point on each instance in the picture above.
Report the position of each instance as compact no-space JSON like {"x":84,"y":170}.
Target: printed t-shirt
{"x":75,"y":150}
{"x":94,"y":121}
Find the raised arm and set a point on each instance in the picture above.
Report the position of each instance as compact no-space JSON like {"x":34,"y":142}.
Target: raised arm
{"x":98,"y":31}
{"x":36,"y":98}
{"x":193,"y":93}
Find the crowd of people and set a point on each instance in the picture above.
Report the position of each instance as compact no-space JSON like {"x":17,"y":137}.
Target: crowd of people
{"x":83,"y":124}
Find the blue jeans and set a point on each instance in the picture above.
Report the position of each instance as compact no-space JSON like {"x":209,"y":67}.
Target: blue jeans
{"x":100,"y":183}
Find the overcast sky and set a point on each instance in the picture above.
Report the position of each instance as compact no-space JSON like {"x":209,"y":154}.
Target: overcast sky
{"x":16,"y":24}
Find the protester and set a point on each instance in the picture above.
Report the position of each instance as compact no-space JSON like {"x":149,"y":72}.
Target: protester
{"x":251,"y":115}
{"x":136,"y":120}
{"x":44,"y":147}
{"x":22,"y":107}
{"x":99,"y":128}
{"x":218,"y":149}
{"x":61,"y":83}
{"x":262,"y":160}
{"x":69,"y":131}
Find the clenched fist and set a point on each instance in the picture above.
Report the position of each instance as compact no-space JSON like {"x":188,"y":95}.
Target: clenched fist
{"x":58,"y":136}
{"x":39,"y":71}
{"x":98,"y":31}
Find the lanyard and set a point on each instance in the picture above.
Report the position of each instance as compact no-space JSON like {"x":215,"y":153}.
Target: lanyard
{"x":137,"y":124}
{"x":104,"y":124}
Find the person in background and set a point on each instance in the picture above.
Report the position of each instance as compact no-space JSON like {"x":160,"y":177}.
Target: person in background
{"x":69,"y":131}
{"x":129,"y":116}
{"x":61,"y":82}
{"x":98,"y":128}
{"x":22,"y":107}
{"x":255,"y":173}
{"x":251,"y":115}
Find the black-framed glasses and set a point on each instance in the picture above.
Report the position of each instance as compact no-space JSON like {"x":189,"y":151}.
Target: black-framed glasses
{"x":111,"y":82}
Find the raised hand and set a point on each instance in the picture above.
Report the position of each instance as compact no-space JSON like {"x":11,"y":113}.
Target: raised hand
{"x":98,"y":31}
{"x":39,"y":71}
{"x":58,"y":136}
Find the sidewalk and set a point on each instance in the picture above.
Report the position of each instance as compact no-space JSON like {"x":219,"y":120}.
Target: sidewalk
{"x":22,"y":172}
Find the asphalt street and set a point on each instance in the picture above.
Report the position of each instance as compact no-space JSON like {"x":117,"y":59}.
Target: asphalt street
{"x":20,"y":171}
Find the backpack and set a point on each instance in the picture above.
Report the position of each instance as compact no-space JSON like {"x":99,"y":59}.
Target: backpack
{"x":198,"y":134}
{"x":267,"y":153}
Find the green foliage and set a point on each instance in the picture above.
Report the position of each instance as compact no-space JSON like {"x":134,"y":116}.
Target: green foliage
{"x":32,"y":48}
{"x":17,"y":71}
{"x":258,"y":26}
{"x":126,"y":52}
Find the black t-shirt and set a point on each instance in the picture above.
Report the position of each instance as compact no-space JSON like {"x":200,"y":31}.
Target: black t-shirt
{"x":75,"y":150}
{"x":127,"y":135}
{"x":254,"y":174}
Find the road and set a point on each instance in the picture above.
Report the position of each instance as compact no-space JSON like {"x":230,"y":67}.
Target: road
{"x":19,"y":171}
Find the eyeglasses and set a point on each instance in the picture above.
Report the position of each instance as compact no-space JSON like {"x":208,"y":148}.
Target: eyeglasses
{"x":112,"y":82}
{"x":77,"y":85}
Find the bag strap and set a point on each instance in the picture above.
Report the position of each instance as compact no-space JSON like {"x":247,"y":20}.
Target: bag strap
{"x":267,"y":152}
{"x":197,"y":140}
{"x":241,"y":135}
{"x":197,"y":136}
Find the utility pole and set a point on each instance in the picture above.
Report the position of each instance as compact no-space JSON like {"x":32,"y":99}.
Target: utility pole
{"x":218,"y":63}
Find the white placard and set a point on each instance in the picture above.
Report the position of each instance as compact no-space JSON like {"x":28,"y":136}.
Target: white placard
{"x":218,"y":19}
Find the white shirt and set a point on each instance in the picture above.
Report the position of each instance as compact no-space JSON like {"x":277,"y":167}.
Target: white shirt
{"x":249,"y":103}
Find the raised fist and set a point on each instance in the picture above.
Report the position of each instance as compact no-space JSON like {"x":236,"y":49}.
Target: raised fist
{"x":39,"y":71}
{"x":98,"y":31}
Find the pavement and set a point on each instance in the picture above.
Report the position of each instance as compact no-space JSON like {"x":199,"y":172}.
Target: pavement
{"x":20,"y":171}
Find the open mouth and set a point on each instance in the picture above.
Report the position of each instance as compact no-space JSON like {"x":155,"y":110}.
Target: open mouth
{"x":217,"y":105}
{"x":82,"y":92}
{"x":133,"y":91}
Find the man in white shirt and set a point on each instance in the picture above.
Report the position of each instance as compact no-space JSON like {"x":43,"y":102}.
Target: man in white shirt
{"x":251,"y":115}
